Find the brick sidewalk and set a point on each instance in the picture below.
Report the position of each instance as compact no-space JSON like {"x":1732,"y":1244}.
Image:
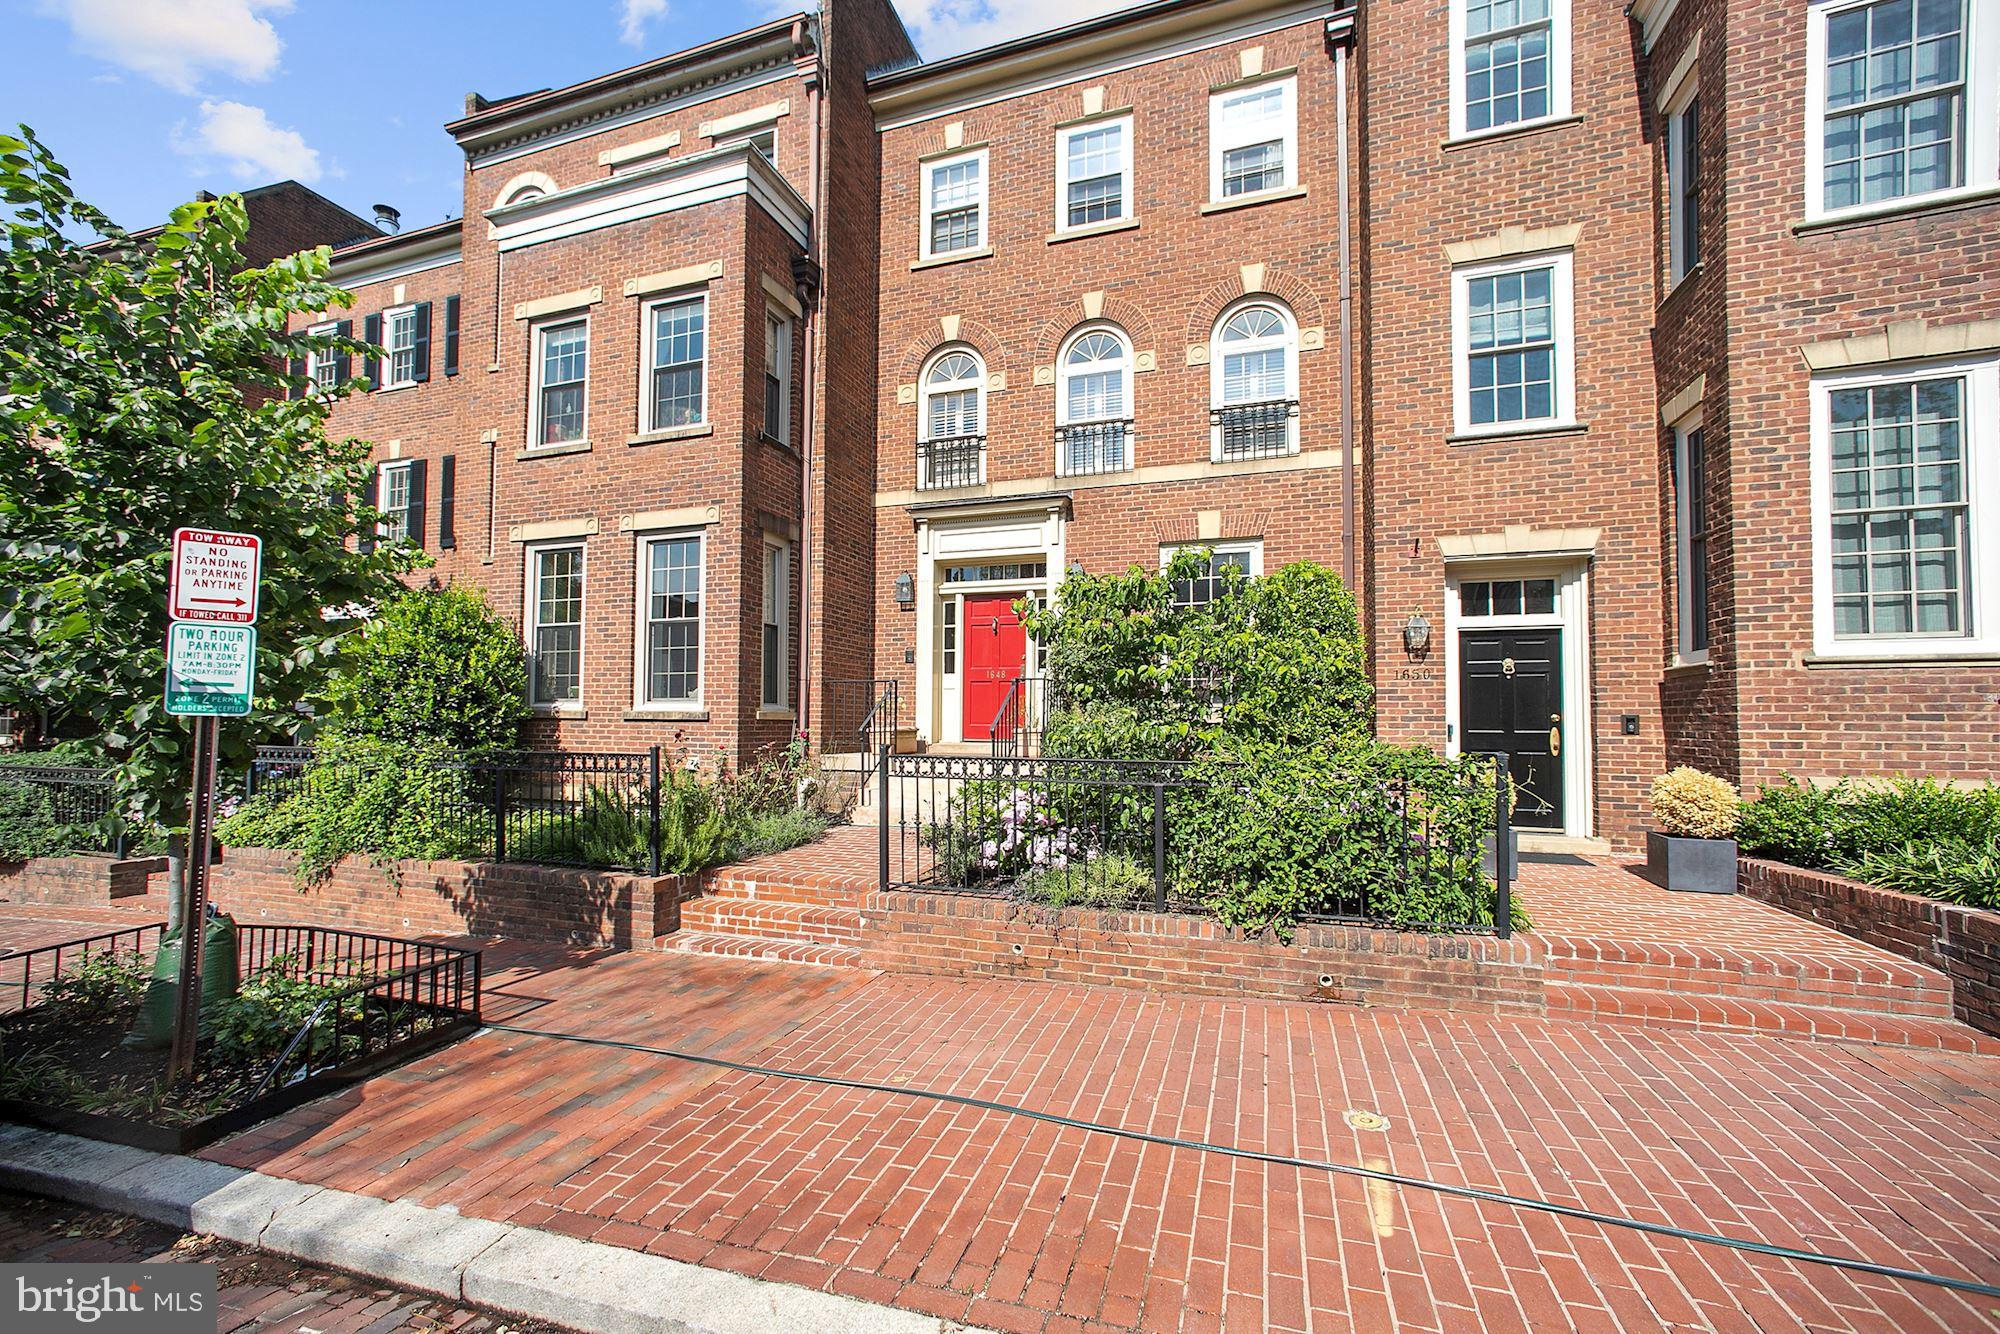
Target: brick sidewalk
{"x":255,"y":1291}
{"x":1886,"y":1153}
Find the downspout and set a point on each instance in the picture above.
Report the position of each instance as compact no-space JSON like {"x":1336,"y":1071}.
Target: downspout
{"x":807,"y":279}
{"x":1340,"y":37}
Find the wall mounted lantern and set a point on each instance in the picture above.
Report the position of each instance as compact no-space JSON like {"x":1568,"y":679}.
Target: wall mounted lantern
{"x":1416,"y":636}
{"x":906,"y":590}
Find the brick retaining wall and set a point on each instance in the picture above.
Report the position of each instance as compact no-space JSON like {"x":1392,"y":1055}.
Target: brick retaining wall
{"x":964,"y":935}
{"x":570,"y":907}
{"x":78,"y":879}
{"x":1962,"y":943}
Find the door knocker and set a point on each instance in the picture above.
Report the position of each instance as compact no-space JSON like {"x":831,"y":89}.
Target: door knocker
{"x":1506,"y":666}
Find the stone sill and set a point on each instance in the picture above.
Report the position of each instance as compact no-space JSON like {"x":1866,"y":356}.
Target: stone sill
{"x":553,"y":451}
{"x":1252,"y":200}
{"x":1062,"y":234}
{"x":664,"y":716}
{"x":955,"y":257}
{"x":1815,"y":661}
{"x":1509,"y":132}
{"x":1864,"y":214}
{"x":694,"y":432}
{"x":1518,"y":433}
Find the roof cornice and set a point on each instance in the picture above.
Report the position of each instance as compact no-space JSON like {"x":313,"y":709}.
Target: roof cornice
{"x":527,"y":120}
{"x":1129,"y":37}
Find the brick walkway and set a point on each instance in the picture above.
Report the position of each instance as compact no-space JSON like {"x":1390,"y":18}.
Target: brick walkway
{"x":979,"y":1216}
{"x":254,"y":1291}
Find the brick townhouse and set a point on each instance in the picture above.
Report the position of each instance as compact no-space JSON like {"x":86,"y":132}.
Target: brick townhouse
{"x":1637,"y":366}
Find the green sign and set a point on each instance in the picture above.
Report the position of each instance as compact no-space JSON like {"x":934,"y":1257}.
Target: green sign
{"x":211,"y":669}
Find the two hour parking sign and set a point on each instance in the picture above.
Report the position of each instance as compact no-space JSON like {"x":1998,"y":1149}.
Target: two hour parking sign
{"x":212,"y":642}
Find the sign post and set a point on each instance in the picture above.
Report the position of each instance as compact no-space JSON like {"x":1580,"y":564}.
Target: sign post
{"x":211,"y":674}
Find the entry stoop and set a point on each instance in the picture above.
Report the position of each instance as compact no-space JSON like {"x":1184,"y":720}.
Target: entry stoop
{"x":801,"y":906}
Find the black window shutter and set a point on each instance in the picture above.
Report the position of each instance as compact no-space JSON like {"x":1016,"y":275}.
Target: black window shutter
{"x":423,"y":341}
{"x":343,"y":363}
{"x":417,"y":502}
{"x":447,"y":498}
{"x":296,"y":389}
{"x":371,"y":365}
{"x":451,"y":335}
{"x":368,"y":494}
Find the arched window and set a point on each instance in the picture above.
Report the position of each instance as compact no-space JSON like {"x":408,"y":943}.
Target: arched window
{"x":951,"y":439}
{"x":1254,"y":365}
{"x":1094,"y":403}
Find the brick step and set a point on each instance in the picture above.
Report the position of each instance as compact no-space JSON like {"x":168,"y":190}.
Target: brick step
{"x":814,"y":923}
{"x":804,"y":890}
{"x":1905,"y":990}
{"x":1722,"y":1014}
{"x":757,"y":947}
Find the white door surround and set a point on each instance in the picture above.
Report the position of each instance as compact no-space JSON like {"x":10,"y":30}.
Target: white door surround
{"x":1029,"y":530}
{"x":1572,"y":615}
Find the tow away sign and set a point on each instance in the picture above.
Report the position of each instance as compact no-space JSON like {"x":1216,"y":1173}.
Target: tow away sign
{"x":211,"y":669}
{"x":214,"y":576}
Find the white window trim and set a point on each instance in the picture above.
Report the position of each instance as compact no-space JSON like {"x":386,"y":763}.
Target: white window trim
{"x":1216,"y":366}
{"x":783,"y":622}
{"x":531,"y":555}
{"x":321,"y":357}
{"x":1562,"y":300}
{"x":1289,"y":135}
{"x":1252,"y":547}
{"x":1981,"y":114}
{"x":382,"y":474}
{"x":642,"y":568}
{"x":1982,"y":491}
{"x":925,"y":211}
{"x":647,"y":342}
{"x":389,"y":317}
{"x":926,"y":391}
{"x":1559,"y":74}
{"x":784,"y":358}
{"x":1682,"y":157}
{"x":1126,"y":389}
{"x":1126,"y":204}
{"x":1685,"y":654}
{"x":536,"y":333}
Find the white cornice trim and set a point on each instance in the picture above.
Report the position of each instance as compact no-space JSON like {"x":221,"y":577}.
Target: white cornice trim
{"x":363,"y":270}
{"x":1093,"y":56}
{"x":645,"y":192}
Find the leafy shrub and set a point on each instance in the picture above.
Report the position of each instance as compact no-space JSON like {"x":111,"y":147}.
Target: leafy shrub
{"x":1688,"y":803}
{"x":27,"y":823}
{"x":608,"y":829}
{"x":435,"y":667}
{"x":1914,"y":835}
{"x":1390,"y":833}
{"x":271,"y":1006}
{"x":98,"y":988}
{"x":1108,"y":882}
{"x":69,"y":753}
{"x":776,"y":831}
{"x":365,"y":797}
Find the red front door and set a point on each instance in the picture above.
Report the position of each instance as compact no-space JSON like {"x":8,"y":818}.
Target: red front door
{"x":995,"y":648}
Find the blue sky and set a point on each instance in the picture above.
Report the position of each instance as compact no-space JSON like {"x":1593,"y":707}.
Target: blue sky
{"x":148,"y":101}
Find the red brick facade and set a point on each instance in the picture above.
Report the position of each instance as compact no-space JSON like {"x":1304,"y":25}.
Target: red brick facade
{"x":1440,"y":507}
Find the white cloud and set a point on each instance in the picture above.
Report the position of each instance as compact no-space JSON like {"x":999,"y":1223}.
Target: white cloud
{"x":634,"y":16}
{"x":947,"y":27}
{"x":246,"y":141}
{"x":177,"y":41}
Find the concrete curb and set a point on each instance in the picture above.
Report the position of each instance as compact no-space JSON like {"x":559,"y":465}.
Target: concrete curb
{"x":521,"y":1271}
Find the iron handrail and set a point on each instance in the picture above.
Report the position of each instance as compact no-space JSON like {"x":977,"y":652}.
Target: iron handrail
{"x":455,"y":963}
{"x":56,"y":949}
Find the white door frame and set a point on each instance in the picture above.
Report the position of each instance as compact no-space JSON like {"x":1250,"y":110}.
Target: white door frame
{"x":1033,"y":530}
{"x":1572,"y":617}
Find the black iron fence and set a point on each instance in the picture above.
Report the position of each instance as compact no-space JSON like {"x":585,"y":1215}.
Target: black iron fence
{"x":952,"y":461}
{"x":861,"y":714}
{"x":546,"y":808}
{"x":386,"y":996}
{"x":1023,"y":716}
{"x":82,"y":799}
{"x":24,"y":973}
{"x":1115,"y":834}
{"x":1085,"y":449}
{"x":1254,"y":430}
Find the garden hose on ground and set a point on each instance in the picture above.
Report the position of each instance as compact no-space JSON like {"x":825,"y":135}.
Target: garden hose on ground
{"x":1286,"y":1160}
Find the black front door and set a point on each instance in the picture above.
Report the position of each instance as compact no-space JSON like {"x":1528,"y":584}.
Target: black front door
{"x":1510,"y":698}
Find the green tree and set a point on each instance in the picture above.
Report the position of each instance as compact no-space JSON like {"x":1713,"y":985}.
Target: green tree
{"x":144,"y":387}
{"x":435,"y":667}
